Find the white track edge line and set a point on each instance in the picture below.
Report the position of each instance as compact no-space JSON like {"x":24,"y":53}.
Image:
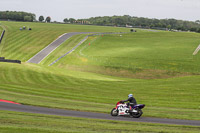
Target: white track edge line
{"x":82,"y":41}
{"x":46,"y":47}
{"x":52,"y":51}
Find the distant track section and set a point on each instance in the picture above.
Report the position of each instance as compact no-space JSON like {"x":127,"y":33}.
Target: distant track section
{"x":71,"y":113}
{"x":82,"y":42}
{"x":69,"y":51}
{"x":51,"y":47}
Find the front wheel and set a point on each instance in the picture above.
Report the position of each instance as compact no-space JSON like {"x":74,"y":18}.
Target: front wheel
{"x":114,"y":112}
{"x":138,"y":114}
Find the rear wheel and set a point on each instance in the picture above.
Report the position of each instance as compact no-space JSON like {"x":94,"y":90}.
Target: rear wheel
{"x":114,"y":112}
{"x":138,"y":114}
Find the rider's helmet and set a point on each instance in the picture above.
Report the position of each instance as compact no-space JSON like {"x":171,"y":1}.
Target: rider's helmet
{"x":130,"y":95}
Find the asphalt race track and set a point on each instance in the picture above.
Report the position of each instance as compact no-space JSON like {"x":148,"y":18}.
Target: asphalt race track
{"x":62,"y":112}
{"x":51,"y":47}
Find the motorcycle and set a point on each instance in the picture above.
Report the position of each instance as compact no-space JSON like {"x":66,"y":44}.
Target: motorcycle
{"x":122,"y":109}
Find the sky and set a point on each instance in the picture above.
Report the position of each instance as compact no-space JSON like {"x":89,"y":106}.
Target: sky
{"x":60,"y":9}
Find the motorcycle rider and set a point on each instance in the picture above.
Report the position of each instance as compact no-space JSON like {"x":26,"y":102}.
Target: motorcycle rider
{"x":131,"y":101}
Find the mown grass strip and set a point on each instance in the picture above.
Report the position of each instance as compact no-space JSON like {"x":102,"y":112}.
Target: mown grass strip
{"x":138,"y":55}
{"x":59,"y":88}
{"x":92,"y":81}
{"x":22,"y":45}
{"x":27,"y":122}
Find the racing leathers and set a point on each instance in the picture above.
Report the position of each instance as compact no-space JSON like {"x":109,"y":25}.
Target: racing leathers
{"x":131,"y":101}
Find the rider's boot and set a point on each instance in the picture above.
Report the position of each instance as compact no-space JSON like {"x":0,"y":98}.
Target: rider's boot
{"x":130,"y":109}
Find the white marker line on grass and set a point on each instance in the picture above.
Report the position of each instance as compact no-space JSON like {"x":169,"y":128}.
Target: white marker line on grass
{"x":70,"y":51}
{"x":86,"y":45}
{"x":197,"y":50}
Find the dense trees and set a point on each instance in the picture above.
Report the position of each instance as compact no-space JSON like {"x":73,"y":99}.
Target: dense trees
{"x":72,"y":20}
{"x":66,"y":20}
{"x":28,"y":18}
{"x":21,"y":16}
{"x":48,"y":19}
{"x":41,"y":18}
{"x":140,"y":22}
{"x":122,"y":21}
{"x":145,"y":22}
{"x":17,"y":16}
{"x":75,"y":21}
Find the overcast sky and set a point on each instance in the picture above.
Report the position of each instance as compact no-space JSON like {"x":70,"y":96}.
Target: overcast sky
{"x":60,"y":9}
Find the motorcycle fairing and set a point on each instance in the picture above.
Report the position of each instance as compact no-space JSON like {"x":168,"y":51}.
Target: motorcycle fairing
{"x":122,"y":109}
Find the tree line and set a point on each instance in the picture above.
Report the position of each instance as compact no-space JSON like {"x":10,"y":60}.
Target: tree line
{"x":120,"y":21}
{"x":140,"y":22}
{"x":21,"y":16}
{"x":17,"y":16}
{"x":48,"y":19}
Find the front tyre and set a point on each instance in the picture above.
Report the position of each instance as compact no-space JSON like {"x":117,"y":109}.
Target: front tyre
{"x":114,"y":112}
{"x":138,"y":114}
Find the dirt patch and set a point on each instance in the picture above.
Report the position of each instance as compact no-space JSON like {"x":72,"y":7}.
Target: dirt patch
{"x":136,"y":73}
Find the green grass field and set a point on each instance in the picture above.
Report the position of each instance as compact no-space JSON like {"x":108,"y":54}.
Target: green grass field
{"x":66,"y":46}
{"x":1,"y":29}
{"x":36,"y":123}
{"x":60,"y":88}
{"x":42,"y":34}
{"x":157,"y":67}
{"x":162,"y":52}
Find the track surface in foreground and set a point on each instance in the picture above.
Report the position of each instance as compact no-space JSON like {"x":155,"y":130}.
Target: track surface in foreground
{"x":62,"y":112}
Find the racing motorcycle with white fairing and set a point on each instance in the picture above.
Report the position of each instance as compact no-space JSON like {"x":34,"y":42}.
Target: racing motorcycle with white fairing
{"x":122,"y":109}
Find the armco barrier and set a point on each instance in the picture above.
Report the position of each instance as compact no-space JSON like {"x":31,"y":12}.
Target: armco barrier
{"x":2,"y":35}
{"x":2,"y":59}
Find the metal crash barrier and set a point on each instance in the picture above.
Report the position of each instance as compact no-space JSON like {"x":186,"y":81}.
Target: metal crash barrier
{"x":2,"y":59}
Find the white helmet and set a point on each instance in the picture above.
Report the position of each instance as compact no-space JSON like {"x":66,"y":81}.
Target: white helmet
{"x":130,"y":95}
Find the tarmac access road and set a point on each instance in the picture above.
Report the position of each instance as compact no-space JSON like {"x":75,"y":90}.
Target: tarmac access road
{"x":71,"y":113}
{"x":51,"y":47}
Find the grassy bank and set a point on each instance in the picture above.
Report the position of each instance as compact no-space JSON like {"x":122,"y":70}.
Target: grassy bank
{"x":165,"y":53}
{"x":34,"y":123}
{"x":157,"y":67}
{"x":64,"y":48}
{"x":60,"y":88}
{"x":24,"y":44}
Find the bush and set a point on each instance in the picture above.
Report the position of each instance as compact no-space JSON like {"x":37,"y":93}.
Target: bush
{"x":132,"y":30}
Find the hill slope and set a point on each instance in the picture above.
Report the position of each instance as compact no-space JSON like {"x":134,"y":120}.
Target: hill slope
{"x":22,"y":45}
{"x":158,"y":68}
